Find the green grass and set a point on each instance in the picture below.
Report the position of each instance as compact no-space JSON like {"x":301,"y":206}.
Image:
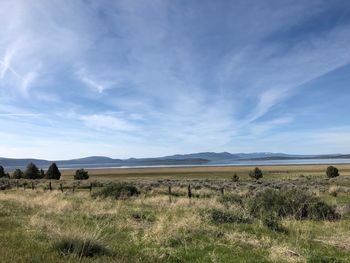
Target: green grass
{"x":43,"y":226}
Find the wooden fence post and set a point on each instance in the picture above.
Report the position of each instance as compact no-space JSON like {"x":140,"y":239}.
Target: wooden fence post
{"x":73,"y":188}
{"x":189,"y":191}
{"x":32,"y":185}
{"x":17,"y":186}
{"x":169,"y":192}
{"x":24,"y":186}
{"x":50,"y":186}
{"x":61,"y":186}
{"x":90,"y":188}
{"x":222,"y":191}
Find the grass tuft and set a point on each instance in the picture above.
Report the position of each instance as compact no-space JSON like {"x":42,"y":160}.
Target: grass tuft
{"x":79,"y":247}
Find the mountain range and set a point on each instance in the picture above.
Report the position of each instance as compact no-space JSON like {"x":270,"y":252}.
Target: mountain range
{"x":203,"y":158}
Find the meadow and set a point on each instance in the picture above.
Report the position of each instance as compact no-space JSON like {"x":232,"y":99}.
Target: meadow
{"x":225,"y":220}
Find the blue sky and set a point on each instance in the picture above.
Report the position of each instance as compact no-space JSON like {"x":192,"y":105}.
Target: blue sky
{"x":152,"y":78}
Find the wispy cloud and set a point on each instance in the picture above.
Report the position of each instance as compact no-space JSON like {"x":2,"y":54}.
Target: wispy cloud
{"x":226,"y":76}
{"x":89,"y":82}
{"x":107,"y":122}
{"x":20,"y":114}
{"x":6,"y":62}
{"x":27,"y":80}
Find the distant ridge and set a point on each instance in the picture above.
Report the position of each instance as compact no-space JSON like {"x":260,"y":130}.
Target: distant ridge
{"x":177,"y":159}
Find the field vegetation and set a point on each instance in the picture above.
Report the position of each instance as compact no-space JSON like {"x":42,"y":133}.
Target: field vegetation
{"x":290,"y":214}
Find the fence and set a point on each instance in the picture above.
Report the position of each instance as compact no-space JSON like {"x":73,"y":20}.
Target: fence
{"x":60,"y":186}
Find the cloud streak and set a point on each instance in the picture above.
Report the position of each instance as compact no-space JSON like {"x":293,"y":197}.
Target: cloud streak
{"x":208,"y":76}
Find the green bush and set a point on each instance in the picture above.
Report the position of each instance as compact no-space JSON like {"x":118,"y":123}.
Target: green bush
{"x":235,"y":178}
{"x":81,"y":174}
{"x":221,"y":217}
{"x":289,"y":203}
{"x":332,"y":172}
{"x":319,"y":210}
{"x":272,"y":221}
{"x":117,"y":191}
{"x":294,"y":203}
{"x":256,"y":174}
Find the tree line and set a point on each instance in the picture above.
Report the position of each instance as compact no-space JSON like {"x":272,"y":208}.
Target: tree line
{"x":33,"y":172}
{"x":53,"y":173}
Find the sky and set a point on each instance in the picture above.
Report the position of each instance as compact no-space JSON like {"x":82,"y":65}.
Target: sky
{"x":158,"y":77}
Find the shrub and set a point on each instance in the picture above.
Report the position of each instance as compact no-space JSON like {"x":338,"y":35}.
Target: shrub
{"x":319,"y":210}
{"x":118,"y":191}
{"x":81,"y":174}
{"x":332,"y":172}
{"x":17,"y":174}
{"x":235,"y":178}
{"x":272,"y":221}
{"x":4,"y":185}
{"x":222,"y":217}
{"x":32,"y":172}
{"x":79,"y":248}
{"x":256,"y":174}
{"x":290,"y":203}
{"x":53,"y":172}
{"x":231,"y":199}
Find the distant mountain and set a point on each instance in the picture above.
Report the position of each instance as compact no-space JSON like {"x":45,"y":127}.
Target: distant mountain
{"x":224,"y":156}
{"x":91,"y":159}
{"x":212,"y":156}
{"x":100,"y":161}
{"x":7,"y":162}
{"x":209,"y":158}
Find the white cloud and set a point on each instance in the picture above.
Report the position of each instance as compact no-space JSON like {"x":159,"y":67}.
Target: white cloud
{"x":6,"y":62}
{"x":201,"y":82}
{"x":93,"y":84}
{"x":107,"y":122}
{"x":27,"y":80}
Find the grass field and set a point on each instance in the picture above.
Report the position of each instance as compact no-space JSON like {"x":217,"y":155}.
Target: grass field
{"x":202,"y":172}
{"x":42,"y":226}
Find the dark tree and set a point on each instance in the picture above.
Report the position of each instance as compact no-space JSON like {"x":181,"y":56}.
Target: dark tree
{"x":81,"y":174}
{"x":256,"y":174}
{"x":32,"y":172}
{"x":332,"y":172}
{"x":53,"y":172}
{"x":18,"y":174}
{"x":2,"y":172}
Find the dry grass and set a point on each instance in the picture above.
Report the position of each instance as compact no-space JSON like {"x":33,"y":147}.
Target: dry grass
{"x":248,"y":239}
{"x":204,"y":171}
{"x":333,"y":190}
{"x":282,"y":253}
{"x":154,"y":227}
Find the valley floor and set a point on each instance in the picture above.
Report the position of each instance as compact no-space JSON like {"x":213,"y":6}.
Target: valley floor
{"x":42,"y":226}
